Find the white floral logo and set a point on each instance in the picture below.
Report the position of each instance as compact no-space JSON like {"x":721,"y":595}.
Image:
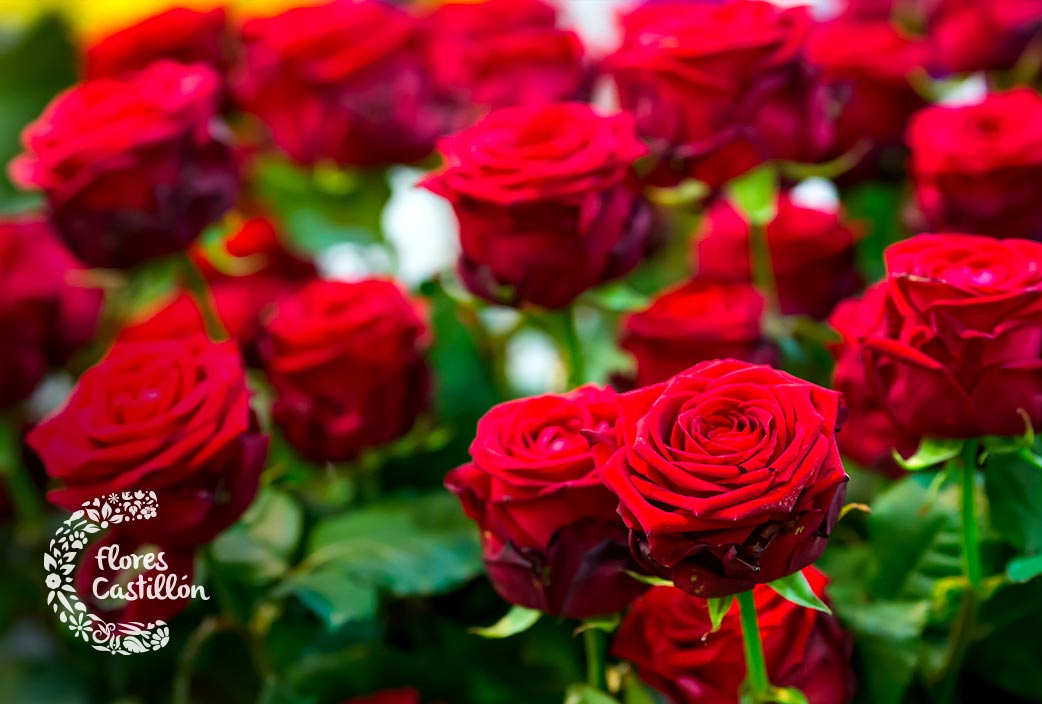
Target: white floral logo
{"x":60,"y":563}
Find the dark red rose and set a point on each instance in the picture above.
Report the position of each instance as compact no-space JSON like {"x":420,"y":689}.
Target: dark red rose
{"x":718,"y":88}
{"x":44,"y":314}
{"x":389,"y":696}
{"x":501,"y":53}
{"x":133,"y":167}
{"x":978,"y":168}
{"x":869,"y":435}
{"x":341,"y":82}
{"x":812,"y":253}
{"x":970,"y":35}
{"x":695,"y":322}
{"x":551,"y":535}
{"x":546,"y":202}
{"x":346,"y":361}
{"x":957,"y":349}
{"x":728,"y":475}
{"x":668,"y":636}
{"x":179,"y":34}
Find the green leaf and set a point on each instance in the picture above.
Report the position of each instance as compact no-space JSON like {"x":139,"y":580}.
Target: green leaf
{"x":1023,"y":569}
{"x":755,"y":194}
{"x":797,"y":589}
{"x":1014,"y":490}
{"x":334,"y":597}
{"x":889,"y":636}
{"x":718,"y":608}
{"x":648,"y":579}
{"x":517,"y":620}
{"x":617,"y":297}
{"x":276,"y":692}
{"x":930,"y":453}
{"x":877,"y":205}
{"x":607,"y":624}
{"x":686,"y":193}
{"x":585,"y":694}
{"x":260,"y":546}
{"x":787,"y":695}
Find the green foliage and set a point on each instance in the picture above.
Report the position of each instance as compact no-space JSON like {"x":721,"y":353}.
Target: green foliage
{"x":755,"y":194}
{"x":930,"y":453}
{"x":797,"y":589}
{"x":517,"y":620}
{"x":718,"y":608}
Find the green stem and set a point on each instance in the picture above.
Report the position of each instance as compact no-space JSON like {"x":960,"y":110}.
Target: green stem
{"x":763,"y":269}
{"x":756,"y":680}
{"x":182,"y":686}
{"x":20,"y":488}
{"x":572,"y":349}
{"x":203,"y":296}
{"x":970,"y":530}
{"x":596,"y":675}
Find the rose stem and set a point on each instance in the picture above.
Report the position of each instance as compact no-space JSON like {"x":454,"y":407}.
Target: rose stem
{"x":756,"y":665}
{"x":763,"y":269}
{"x":572,"y":349}
{"x":595,"y":672}
{"x":197,"y":286}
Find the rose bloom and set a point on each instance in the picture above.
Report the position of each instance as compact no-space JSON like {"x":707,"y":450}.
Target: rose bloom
{"x":546,"y":202}
{"x":956,"y":349}
{"x":171,"y":416}
{"x":388,"y":696}
{"x":342,"y":81}
{"x":551,"y":536}
{"x":969,"y":35}
{"x":812,"y":254}
{"x":179,"y":34}
{"x":501,"y":53}
{"x":978,"y":168}
{"x":44,"y":315}
{"x":728,"y":475}
{"x":669,"y":637}
{"x":134,"y":167}
{"x":694,"y":322}
{"x":718,"y":88}
{"x":346,"y":361}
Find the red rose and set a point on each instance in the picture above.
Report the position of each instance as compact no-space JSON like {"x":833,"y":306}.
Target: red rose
{"x":978,"y":168}
{"x":44,"y":315}
{"x":869,"y":435}
{"x":503,"y":52}
{"x":728,"y":475}
{"x":171,"y":416}
{"x":970,"y":35}
{"x":812,"y":253}
{"x":546,"y":202}
{"x":134,"y":167}
{"x":718,"y":88}
{"x":668,"y":636}
{"x":389,"y":696}
{"x":695,"y":322}
{"x":347,"y":364}
{"x":957,"y":350}
{"x":179,"y":34}
{"x":342,"y":82}
{"x":551,"y":535}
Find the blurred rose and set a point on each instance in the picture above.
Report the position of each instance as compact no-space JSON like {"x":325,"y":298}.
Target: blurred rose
{"x":546,"y":202}
{"x":812,"y":254}
{"x":179,"y":34}
{"x":728,"y":475}
{"x":668,"y":636}
{"x":718,"y":88}
{"x":341,"y":82}
{"x":971,"y":35}
{"x":45,"y":315}
{"x":346,"y":361}
{"x":171,"y":416}
{"x":389,"y":696}
{"x":552,"y":538}
{"x":132,"y":167}
{"x":698,"y":321}
{"x":978,"y":168}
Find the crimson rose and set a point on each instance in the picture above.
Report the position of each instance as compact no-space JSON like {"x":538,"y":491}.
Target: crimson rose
{"x":728,"y":475}
{"x":669,"y":637}
{"x":347,"y":364}
{"x":132,"y":167}
{"x":546,"y":202}
{"x":171,"y":416}
{"x":970,"y":35}
{"x":388,"y":696}
{"x":551,"y":536}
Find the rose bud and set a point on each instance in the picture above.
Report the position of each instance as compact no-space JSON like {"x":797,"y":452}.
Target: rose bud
{"x":501,"y":53}
{"x":44,"y":315}
{"x":550,"y":533}
{"x":728,"y":475}
{"x":132,"y":167}
{"x":969,"y":35}
{"x":978,"y":168}
{"x":346,"y":361}
{"x":812,"y":255}
{"x":692,"y":323}
{"x":546,"y":202}
{"x":668,"y":636}
{"x":171,"y":416}
{"x":869,"y":435}
{"x":958,"y":350}
{"x":180,"y":34}
{"x":718,"y":88}
{"x":341,"y":82}
{"x":388,"y":696}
